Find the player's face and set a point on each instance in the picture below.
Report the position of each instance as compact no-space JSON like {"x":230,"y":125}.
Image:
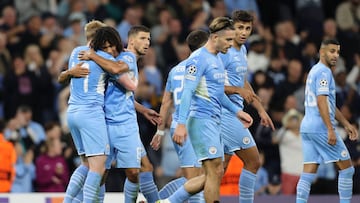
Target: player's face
{"x":331,"y":54}
{"x":224,"y":40}
{"x":242,"y":31}
{"x":142,"y":43}
{"x":110,"y":49}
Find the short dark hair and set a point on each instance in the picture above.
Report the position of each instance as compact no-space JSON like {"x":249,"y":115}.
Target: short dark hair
{"x":221,"y":23}
{"x":329,"y":41}
{"x":138,"y":28}
{"x":242,"y":15}
{"x":106,"y":34}
{"x":196,"y":39}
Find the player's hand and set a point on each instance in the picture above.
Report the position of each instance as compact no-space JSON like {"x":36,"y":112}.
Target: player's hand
{"x":245,"y":118}
{"x":266,"y":120}
{"x":156,"y":142}
{"x":86,"y":55}
{"x":152,"y":116}
{"x":179,"y":134}
{"x":352,"y":132}
{"x":78,"y":71}
{"x":331,"y":137}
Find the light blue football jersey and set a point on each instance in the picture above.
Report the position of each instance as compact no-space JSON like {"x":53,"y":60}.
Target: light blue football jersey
{"x":235,"y":63}
{"x":119,"y":102}
{"x":175,"y":85}
{"x":88,"y":91}
{"x":204,"y":79}
{"x":319,"y":82}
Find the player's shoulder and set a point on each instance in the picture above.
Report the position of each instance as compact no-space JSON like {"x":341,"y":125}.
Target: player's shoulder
{"x":105,"y":54}
{"x":77,"y":49}
{"x":320,"y":68}
{"x":127,"y":56}
{"x":179,"y":68}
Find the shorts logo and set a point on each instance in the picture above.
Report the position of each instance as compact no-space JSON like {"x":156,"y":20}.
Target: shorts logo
{"x":212,"y":150}
{"x":246,"y":140}
{"x":344,"y":153}
{"x":192,"y":70}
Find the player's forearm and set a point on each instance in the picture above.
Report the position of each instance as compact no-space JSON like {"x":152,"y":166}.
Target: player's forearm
{"x":340,"y":117}
{"x":139,"y":108}
{"x":324,"y":111}
{"x":164,"y":109}
{"x":256,"y":103}
{"x":127,"y":82}
{"x":113,"y":67}
{"x":64,"y":77}
{"x":232,"y":90}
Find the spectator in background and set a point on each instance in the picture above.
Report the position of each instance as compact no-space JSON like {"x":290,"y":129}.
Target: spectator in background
{"x":152,"y":72}
{"x":19,"y":89}
{"x":32,"y":34}
{"x":258,"y":58}
{"x":309,"y":56}
{"x":51,"y":32}
{"x":348,"y":16}
{"x":12,"y":29}
{"x":276,"y":70}
{"x":290,"y":145}
{"x":7,"y":160}
{"x":131,"y":17}
{"x":5,"y":67}
{"x":46,"y":90}
{"x":52,"y":173}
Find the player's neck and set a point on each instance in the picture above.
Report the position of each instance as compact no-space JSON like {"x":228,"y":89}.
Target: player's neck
{"x":323,"y":61}
{"x":132,"y":50}
{"x":210,"y":47}
{"x":237,"y":46}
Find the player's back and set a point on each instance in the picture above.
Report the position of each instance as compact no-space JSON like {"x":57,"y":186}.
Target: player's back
{"x":235,"y":64}
{"x":319,"y":82}
{"x":87,"y":91}
{"x":119,"y":102}
{"x":206,"y":101}
{"x":175,"y":85}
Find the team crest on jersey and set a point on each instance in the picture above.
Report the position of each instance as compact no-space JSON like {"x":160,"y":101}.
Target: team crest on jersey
{"x":246,"y":140}
{"x":344,"y":153}
{"x":323,"y":83}
{"x":192,"y":70}
{"x":212,"y":150}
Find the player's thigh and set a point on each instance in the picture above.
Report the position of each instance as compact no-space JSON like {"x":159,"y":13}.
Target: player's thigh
{"x":185,"y":153}
{"x":73,"y":124}
{"x":127,"y":143}
{"x":94,"y":134}
{"x":310,"y":153}
{"x":234,"y":135}
{"x":205,"y":138}
{"x":330,"y":153}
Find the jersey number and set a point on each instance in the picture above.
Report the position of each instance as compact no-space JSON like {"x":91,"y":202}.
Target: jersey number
{"x":178,"y":90}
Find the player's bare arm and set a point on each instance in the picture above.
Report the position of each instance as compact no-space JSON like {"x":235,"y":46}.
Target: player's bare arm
{"x":113,"y":67}
{"x":77,"y":72}
{"x":350,"y":129}
{"x":322,"y":103}
{"x":265,"y":118}
{"x":167,"y":102}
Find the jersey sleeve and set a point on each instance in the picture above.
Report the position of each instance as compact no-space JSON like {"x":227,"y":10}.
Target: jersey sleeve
{"x":168,"y":82}
{"x":128,"y":58}
{"x":322,"y":82}
{"x":193,"y":72}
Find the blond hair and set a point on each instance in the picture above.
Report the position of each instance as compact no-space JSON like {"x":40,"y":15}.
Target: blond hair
{"x":91,"y":27}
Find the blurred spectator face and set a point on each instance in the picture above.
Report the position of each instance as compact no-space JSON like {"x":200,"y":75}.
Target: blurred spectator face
{"x":175,"y":27}
{"x":330,"y":29}
{"x":132,"y":16}
{"x":280,"y":31}
{"x":54,"y":146}
{"x":295,"y":69}
{"x":310,"y":49}
{"x":182,"y":51}
{"x":9,"y":16}
{"x":33,"y":57}
{"x":54,"y":132}
{"x":19,"y":65}
{"x":165,"y":17}
{"x":34,"y":24}
{"x":50,"y":25}
{"x":219,"y":9}
{"x":276,"y":64}
{"x":340,"y":78}
{"x":289,"y":29}
{"x":290,"y":103}
{"x":265,"y":95}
